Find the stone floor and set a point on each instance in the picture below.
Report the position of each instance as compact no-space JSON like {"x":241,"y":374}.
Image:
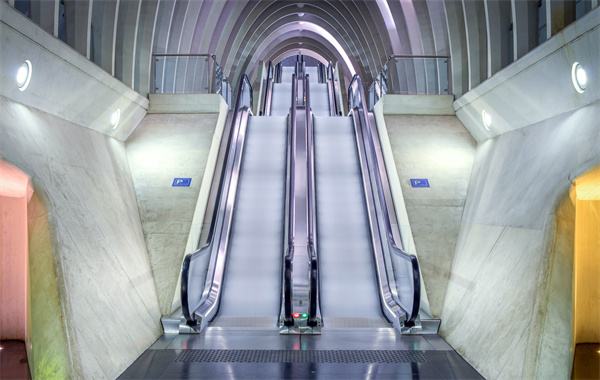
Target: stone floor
{"x":586,"y":363}
{"x":13,"y":360}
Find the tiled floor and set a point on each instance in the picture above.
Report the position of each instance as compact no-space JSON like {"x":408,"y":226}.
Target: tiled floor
{"x":374,"y":353}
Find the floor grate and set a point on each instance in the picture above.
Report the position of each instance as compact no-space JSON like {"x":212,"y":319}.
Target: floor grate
{"x":293,"y":356}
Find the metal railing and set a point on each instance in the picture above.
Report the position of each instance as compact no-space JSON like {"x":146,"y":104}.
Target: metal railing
{"x":313,"y":284}
{"x":189,"y":74}
{"x":398,"y":270}
{"x":412,"y":75}
{"x":333,"y":102}
{"x":266,"y":106}
{"x":203,"y":270}
{"x":288,"y":286}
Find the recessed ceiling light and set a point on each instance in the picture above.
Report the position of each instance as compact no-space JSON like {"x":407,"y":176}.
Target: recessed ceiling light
{"x":487,"y":119}
{"x":301,"y":14}
{"x":115,"y":118}
{"x":579,"y":77}
{"x":24,"y":75}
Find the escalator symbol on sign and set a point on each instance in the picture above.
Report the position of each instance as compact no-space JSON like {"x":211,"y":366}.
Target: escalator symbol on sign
{"x":419,"y":182}
{"x":182,"y":182}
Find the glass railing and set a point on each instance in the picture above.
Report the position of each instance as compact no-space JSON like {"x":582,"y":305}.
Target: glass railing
{"x":189,"y":74}
{"x":412,"y":75}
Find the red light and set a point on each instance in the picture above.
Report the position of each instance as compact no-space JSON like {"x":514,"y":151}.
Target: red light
{"x":296,"y":315}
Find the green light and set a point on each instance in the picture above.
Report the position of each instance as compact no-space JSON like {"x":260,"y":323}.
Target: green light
{"x":305,"y":315}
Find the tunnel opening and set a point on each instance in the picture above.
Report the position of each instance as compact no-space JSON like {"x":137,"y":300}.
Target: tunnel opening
{"x":15,"y":193}
{"x":585,"y":196}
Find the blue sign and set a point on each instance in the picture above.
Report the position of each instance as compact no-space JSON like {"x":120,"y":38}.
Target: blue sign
{"x":419,"y":182}
{"x":182,"y":182}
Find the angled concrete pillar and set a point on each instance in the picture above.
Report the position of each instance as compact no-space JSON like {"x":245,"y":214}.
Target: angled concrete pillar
{"x":562,"y":13}
{"x":499,"y":17}
{"x":42,"y":13}
{"x":458,"y":49}
{"x":77,"y":26}
{"x":127,"y":26}
{"x":103,"y":27}
{"x":474,"y":15}
{"x":143,"y":55}
{"x":524,"y":14}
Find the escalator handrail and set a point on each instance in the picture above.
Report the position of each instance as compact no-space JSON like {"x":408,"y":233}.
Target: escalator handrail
{"x":359,"y":104}
{"x":333,"y":107}
{"x":277,"y":73}
{"x":266,"y":106}
{"x":289,"y":255}
{"x":313,"y":287}
{"x":242,"y":111}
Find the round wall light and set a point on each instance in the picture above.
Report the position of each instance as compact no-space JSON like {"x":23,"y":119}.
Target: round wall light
{"x":24,"y":75}
{"x":116,"y":116}
{"x":487,"y":119}
{"x":579,"y":77}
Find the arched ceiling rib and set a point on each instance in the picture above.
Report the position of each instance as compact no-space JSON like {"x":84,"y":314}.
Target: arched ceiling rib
{"x":480,"y":36}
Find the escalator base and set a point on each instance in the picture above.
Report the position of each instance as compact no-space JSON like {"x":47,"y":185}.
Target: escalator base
{"x":339,"y":353}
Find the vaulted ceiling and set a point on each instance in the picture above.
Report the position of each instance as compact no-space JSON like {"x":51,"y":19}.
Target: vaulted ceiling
{"x":480,"y":36}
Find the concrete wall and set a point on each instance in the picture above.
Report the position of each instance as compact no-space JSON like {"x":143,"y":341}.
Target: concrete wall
{"x":107,"y":294}
{"x":538,"y":85}
{"x":64,"y":83}
{"x":507,"y":307}
{"x":440,"y":149}
{"x":164,"y":147}
{"x":495,"y":302}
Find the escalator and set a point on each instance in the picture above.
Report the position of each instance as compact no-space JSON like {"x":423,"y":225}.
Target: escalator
{"x":303,"y":275}
{"x":251,"y":292}
{"x":235,"y":279}
{"x":365,"y":279}
{"x":348,"y":284}
{"x":291,"y":241}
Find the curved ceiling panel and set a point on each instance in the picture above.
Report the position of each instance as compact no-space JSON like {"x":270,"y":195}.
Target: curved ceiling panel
{"x":481,"y":36}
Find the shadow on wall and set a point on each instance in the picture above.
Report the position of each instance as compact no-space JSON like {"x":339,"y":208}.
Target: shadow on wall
{"x":31,"y":305}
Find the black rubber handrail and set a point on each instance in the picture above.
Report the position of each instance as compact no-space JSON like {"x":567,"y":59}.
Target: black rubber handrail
{"x":359,"y":105}
{"x":313,"y":285}
{"x":244,"y":87}
{"x":333,"y":102}
{"x":289,"y":256}
{"x":266,"y":106}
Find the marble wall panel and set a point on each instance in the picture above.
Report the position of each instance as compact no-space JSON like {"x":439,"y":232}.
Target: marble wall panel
{"x":109,"y":300}
{"x":164,"y":147}
{"x":501,"y":296}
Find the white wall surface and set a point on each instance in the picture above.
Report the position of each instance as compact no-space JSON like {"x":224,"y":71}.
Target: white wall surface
{"x":105,"y":279}
{"x":508,"y":295}
{"x":495,"y":303}
{"x":440,"y":149}
{"x":164,"y":147}
{"x":64,"y":83}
